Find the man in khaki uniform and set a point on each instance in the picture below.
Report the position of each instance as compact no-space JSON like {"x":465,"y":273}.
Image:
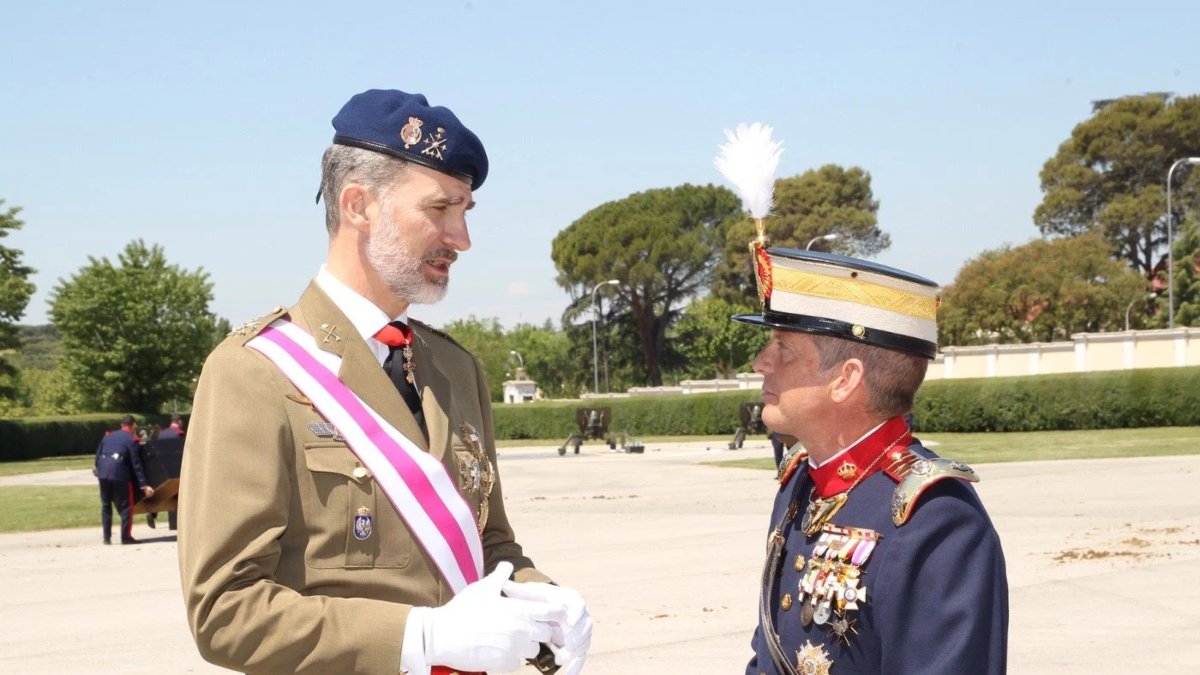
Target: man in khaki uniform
{"x":292,"y":557}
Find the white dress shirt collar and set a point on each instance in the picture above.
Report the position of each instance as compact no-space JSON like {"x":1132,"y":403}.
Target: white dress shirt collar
{"x":365,"y":316}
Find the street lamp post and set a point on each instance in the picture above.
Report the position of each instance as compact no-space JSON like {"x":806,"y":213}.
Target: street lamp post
{"x":515,"y":353}
{"x":1134,"y":302}
{"x":595,"y":313}
{"x":1171,"y":242}
{"x":825,"y":237}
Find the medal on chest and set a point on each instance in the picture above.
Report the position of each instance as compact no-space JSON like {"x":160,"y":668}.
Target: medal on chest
{"x":831,"y":588}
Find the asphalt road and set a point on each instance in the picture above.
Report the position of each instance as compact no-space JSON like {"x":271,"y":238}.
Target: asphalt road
{"x":1103,"y":559}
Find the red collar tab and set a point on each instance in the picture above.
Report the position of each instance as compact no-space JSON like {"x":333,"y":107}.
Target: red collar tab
{"x":840,"y":474}
{"x":395,"y":334}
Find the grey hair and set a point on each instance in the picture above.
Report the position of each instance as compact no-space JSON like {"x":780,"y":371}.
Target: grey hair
{"x":892,"y":377}
{"x":343,"y":164}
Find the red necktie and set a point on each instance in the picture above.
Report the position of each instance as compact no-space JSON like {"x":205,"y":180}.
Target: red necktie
{"x":399,"y":337}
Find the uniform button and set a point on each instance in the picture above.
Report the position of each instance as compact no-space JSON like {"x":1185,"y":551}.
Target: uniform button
{"x":786,"y":603}
{"x":799,"y":562}
{"x":360,"y":472}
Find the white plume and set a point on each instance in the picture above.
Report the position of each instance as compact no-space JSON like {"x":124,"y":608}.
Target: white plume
{"x":749,"y":161}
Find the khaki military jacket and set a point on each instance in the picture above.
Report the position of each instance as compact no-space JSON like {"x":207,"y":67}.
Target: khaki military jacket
{"x":274,"y":580}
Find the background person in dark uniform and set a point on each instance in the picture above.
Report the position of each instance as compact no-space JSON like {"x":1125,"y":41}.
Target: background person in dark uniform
{"x":173,"y":430}
{"x":881,"y":557}
{"x":118,"y":466}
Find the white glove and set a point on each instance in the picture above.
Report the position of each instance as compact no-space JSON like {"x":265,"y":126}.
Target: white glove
{"x":480,"y":630}
{"x":573,"y":634}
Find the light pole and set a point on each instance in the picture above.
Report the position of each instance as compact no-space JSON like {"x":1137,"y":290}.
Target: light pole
{"x":595,"y":312}
{"x":1135,"y":301}
{"x":1171,"y":241}
{"x":520,"y":360}
{"x":825,"y":237}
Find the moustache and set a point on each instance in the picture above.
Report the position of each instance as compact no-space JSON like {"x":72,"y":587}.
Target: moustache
{"x":447,"y":254}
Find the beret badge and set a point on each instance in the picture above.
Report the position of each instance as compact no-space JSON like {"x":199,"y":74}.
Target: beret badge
{"x":411,"y":133}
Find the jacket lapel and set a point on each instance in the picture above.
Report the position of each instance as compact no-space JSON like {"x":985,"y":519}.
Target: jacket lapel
{"x":436,"y":395}
{"x":360,"y":371}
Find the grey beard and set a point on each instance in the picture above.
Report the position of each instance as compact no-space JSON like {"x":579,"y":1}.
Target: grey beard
{"x":401,"y":270}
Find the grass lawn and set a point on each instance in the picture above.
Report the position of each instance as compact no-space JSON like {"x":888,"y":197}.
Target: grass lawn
{"x":47,"y":464}
{"x":1039,"y":445}
{"x":28,"y":508}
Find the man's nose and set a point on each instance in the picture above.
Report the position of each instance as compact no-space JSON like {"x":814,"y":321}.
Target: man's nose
{"x":457,"y":235}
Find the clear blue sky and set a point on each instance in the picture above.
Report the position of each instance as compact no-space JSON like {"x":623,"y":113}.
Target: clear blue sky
{"x":201,"y":127}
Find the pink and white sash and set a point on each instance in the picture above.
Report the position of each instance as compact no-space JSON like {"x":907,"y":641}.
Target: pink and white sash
{"x":415,"y":482}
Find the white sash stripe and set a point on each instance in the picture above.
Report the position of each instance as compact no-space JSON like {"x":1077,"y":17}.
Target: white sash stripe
{"x":393,"y":483}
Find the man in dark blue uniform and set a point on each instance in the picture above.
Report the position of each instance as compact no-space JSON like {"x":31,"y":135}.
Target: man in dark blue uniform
{"x":118,"y":466}
{"x":881,"y":557}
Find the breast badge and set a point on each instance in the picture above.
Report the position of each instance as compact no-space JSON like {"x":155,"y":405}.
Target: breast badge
{"x":476,"y":475}
{"x":813,"y":660}
{"x":362,"y":524}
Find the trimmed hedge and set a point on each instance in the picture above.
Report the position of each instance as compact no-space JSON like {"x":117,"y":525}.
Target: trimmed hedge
{"x":35,"y":437}
{"x":1151,"y":397}
{"x":697,"y":414}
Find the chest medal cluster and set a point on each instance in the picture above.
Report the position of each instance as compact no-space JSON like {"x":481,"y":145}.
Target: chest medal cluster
{"x":831,"y":587}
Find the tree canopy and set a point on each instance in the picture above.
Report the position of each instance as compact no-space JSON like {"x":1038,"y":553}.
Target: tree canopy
{"x":1110,"y":175}
{"x":661,"y":245}
{"x":829,"y":200}
{"x":712,"y":344}
{"x":1187,"y":276}
{"x":1038,"y":292}
{"x":136,"y":332}
{"x":15,"y":291}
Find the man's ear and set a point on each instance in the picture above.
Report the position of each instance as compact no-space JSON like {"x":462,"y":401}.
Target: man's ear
{"x":354,"y":207}
{"x":850,"y":378}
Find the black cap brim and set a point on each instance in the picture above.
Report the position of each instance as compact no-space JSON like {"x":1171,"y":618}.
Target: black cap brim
{"x":840,"y":329}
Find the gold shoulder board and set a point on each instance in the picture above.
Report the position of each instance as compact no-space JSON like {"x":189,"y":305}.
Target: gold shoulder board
{"x":249,"y":329}
{"x":921,"y":473}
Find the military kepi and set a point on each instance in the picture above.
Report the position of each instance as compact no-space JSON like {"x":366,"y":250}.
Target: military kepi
{"x":829,"y":294}
{"x":405,"y":126}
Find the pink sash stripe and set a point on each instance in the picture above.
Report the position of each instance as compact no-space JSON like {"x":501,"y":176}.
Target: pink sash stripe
{"x":405,"y":466}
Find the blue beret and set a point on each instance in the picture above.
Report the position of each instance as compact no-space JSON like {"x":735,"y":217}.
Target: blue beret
{"x":404,"y":125}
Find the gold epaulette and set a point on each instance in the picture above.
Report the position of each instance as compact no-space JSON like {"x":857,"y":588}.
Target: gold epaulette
{"x":249,"y":329}
{"x":916,"y":474}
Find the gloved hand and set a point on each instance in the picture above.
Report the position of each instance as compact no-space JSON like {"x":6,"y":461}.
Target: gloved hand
{"x":573,"y":635}
{"x":480,"y":630}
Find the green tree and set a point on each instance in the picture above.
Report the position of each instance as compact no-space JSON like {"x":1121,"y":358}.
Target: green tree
{"x":135,"y":333}
{"x":1038,"y":292}
{"x":1187,"y":277}
{"x":661,"y":245}
{"x":484,"y":338}
{"x":546,"y":353}
{"x":15,"y":291}
{"x":1110,"y":175}
{"x":712,"y":344}
{"x":829,"y":200}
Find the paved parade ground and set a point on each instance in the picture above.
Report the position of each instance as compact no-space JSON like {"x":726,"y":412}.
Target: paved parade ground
{"x":1103,"y":563}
